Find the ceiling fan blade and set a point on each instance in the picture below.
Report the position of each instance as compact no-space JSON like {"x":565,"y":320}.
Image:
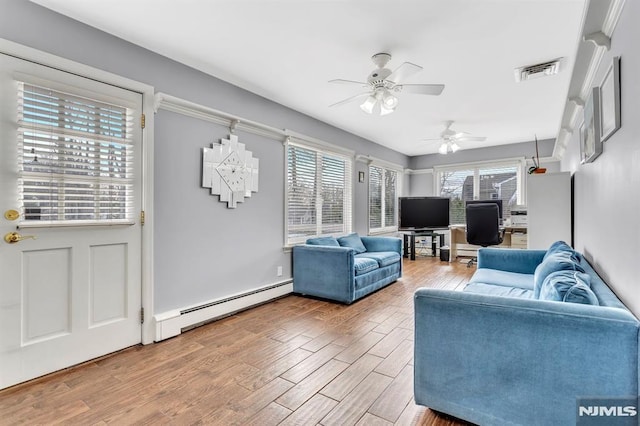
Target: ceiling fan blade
{"x":405,"y":70}
{"x":421,"y":89}
{"x":471,"y":139}
{"x":431,"y":139}
{"x":351,"y":99}
{"x":349,"y":82}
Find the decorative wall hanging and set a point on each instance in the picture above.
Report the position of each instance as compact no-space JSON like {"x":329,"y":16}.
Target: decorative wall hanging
{"x":230,"y":171}
{"x":610,"y":100}
{"x":590,"y":142}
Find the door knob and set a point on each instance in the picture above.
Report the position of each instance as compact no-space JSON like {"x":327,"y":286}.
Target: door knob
{"x":15,"y":237}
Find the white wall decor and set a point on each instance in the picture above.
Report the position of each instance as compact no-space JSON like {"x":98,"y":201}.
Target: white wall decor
{"x":610,"y":100}
{"x":230,"y":171}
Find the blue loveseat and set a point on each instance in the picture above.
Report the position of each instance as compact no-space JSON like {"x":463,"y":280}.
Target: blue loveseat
{"x":347,"y":268}
{"x":524,"y":340}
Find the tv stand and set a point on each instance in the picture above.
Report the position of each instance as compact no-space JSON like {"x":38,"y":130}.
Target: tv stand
{"x":410,"y":240}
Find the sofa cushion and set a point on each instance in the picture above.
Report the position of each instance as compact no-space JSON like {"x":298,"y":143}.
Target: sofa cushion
{"x":383,"y":258}
{"x":562,"y":247}
{"x":498,"y":290}
{"x":364,"y":264}
{"x":353,"y":241}
{"x":558,"y":261}
{"x":323,"y":241}
{"x":568,"y":286}
{"x":503,"y":278}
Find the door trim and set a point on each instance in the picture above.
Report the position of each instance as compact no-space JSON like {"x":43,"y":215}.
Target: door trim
{"x":43,"y":58}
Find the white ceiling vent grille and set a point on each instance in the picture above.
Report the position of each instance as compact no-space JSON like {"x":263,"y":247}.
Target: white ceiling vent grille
{"x":538,"y":70}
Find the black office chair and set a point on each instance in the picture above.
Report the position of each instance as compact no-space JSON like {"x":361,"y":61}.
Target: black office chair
{"x":483,"y":226}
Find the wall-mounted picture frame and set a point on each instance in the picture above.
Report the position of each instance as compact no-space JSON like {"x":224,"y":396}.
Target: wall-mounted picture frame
{"x":590,"y":141}
{"x":610,"y":100}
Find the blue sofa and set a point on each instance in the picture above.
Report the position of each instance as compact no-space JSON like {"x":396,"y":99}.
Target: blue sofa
{"x":347,"y":268}
{"x":524,"y":340}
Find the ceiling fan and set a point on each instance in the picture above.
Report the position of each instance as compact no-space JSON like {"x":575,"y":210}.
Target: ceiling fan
{"x":382,"y":86}
{"x":450,"y":138}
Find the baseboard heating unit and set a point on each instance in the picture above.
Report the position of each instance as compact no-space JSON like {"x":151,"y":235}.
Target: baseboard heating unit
{"x":172,"y":323}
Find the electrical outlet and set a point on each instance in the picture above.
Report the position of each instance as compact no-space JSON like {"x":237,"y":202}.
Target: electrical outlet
{"x":279,"y":271}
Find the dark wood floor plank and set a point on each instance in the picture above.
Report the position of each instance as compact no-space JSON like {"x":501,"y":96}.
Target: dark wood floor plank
{"x":339,"y":387}
{"x":392,"y":322}
{"x":390,"y":342}
{"x":311,"y":412}
{"x":395,"y":398}
{"x":321,"y":340}
{"x":264,"y":376}
{"x":298,"y":372}
{"x":371,"y":420}
{"x":359,"y":347}
{"x":300,"y":393}
{"x":272,"y":414}
{"x":397,"y":359}
{"x":355,"y":405}
{"x":259,"y":399}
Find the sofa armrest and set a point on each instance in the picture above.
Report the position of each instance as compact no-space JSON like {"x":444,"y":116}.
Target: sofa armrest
{"x":326,"y":272}
{"x":510,"y":260}
{"x":382,"y":244}
{"x":497,"y":360}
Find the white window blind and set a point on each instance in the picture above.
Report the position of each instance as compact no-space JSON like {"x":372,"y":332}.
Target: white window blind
{"x":75,"y":158}
{"x":383,"y":189}
{"x":500,"y":181}
{"x":318,"y":193}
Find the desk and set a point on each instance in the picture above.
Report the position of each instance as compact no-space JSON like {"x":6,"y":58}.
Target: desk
{"x":410,"y":241}
{"x":514,"y":237}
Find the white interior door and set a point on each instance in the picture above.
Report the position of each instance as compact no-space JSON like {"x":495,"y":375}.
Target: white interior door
{"x":70,"y":155}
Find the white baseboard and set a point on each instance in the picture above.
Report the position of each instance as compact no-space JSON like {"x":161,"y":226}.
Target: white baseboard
{"x":172,"y":323}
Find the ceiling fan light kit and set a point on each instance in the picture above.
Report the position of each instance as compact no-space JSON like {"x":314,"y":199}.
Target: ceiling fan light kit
{"x":383,"y":83}
{"x":448,"y":147}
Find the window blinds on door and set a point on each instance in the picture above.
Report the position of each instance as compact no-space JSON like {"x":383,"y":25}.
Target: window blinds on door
{"x":75,"y":158}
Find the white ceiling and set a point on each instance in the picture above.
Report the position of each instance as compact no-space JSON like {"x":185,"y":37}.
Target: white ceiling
{"x":288,"y":50}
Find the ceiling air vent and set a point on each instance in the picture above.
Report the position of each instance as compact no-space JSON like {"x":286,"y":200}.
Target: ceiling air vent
{"x":538,"y":70}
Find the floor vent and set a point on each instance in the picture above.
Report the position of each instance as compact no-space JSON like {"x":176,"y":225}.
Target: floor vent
{"x":537,"y":70}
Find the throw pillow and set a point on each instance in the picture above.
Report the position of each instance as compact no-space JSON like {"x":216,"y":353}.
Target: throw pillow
{"x":558,"y":261}
{"x":353,"y":241}
{"x":562,"y":247}
{"x":323,"y":241}
{"x":568,"y":286}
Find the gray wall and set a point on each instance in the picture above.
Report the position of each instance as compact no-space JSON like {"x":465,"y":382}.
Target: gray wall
{"x":203,"y":250}
{"x":606,"y":196}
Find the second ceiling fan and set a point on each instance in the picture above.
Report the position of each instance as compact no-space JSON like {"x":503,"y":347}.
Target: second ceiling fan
{"x":383,"y":84}
{"x":450,"y":138}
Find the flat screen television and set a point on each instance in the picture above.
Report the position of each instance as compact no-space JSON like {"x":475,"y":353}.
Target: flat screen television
{"x":498,"y":202}
{"x":423,"y":212}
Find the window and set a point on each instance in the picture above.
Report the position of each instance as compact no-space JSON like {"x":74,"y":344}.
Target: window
{"x":383,"y":199}
{"x":318,"y":193}
{"x":75,"y":158}
{"x":486,"y":181}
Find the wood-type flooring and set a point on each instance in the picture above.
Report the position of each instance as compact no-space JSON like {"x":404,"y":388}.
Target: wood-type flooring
{"x":292,"y":361}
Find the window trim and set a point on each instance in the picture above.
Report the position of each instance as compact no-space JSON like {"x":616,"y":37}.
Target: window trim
{"x":322,"y":147}
{"x":385,"y":166}
{"x":518,"y":162}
